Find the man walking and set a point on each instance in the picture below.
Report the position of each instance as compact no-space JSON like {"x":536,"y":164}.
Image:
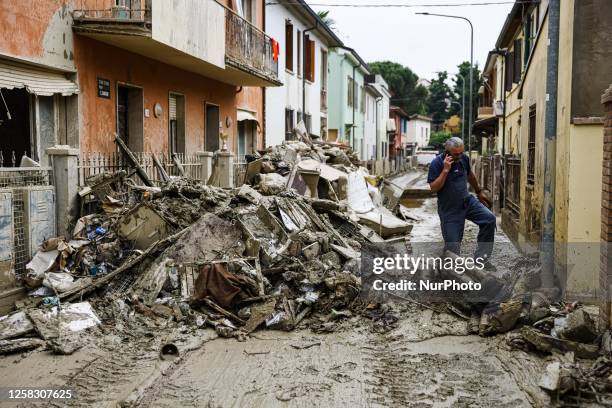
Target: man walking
{"x":449,"y":174}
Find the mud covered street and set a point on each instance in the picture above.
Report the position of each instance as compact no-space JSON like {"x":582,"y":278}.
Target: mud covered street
{"x":428,"y":359}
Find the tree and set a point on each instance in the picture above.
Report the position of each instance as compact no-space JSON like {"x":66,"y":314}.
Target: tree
{"x":437,"y":103}
{"x":464,"y":69}
{"x":327,"y":20}
{"x":403,"y":85}
{"x":438,"y":138}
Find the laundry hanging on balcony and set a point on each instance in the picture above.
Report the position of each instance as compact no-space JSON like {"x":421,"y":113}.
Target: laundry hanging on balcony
{"x":275,"y":49}
{"x":35,"y":80}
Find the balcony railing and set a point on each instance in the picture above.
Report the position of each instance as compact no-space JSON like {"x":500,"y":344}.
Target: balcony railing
{"x":113,"y":11}
{"x":248,"y":48}
{"x":513,"y":184}
{"x":485,"y":111}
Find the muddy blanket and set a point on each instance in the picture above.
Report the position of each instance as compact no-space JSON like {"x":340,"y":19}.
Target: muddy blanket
{"x":224,"y":287}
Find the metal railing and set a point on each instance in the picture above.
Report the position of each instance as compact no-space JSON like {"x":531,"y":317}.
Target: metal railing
{"x":513,"y":184}
{"x":113,"y":11}
{"x":249,"y":48}
{"x":490,"y":174}
{"x":240,"y":167}
{"x":90,"y":164}
{"x":485,"y":111}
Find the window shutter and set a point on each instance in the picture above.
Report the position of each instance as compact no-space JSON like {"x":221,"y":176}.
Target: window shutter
{"x":509,"y":63}
{"x":289,"y":46}
{"x":517,"y":61}
{"x":172,"y":107}
{"x":311,"y":65}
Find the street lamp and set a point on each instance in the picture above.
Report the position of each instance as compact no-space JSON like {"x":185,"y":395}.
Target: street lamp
{"x":471,"y":70}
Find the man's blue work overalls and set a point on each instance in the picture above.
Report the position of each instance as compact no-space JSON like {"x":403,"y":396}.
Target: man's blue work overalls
{"x":456,"y":204}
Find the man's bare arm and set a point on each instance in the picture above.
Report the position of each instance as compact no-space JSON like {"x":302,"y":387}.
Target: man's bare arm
{"x":474,"y":182}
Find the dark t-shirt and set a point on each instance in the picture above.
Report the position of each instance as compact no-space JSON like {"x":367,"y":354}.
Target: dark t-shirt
{"x":454,"y":190}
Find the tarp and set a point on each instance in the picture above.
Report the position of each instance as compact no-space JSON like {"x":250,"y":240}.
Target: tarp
{"x":35,"y":80}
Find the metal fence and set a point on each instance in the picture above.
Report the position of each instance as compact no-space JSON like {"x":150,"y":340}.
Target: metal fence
{"x":513,"y":184}
{"x":490,"y":175}
{"x":90,"y":164}
{"x":15,"y":179}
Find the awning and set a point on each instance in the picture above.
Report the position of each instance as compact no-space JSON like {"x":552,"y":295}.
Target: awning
{"x":484,"y":126}
{"x":35,"y":80}
{"x":391,"y":125}
{"x":243,"y":115}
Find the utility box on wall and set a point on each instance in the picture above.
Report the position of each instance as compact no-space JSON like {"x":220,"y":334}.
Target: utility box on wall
{"x":39,"y":208}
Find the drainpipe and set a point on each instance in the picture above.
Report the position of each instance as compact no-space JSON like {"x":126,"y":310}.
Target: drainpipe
{"x":304,"y":68}
{"x":380,"y":98}
{"x":550,"y":147}
{"x":355,"y":97}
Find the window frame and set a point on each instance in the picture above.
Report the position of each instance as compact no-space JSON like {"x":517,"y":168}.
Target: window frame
{"x":531,"y":145}
{"x":288,"y":46}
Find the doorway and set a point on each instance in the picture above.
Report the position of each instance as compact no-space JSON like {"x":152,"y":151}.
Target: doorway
{"x":212,"y":128}
{"x":15,"y":129}
{"x":246,"y":138}
{"x":130,"y":126}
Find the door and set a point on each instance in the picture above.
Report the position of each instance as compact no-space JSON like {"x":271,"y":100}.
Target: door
{"x":242,"y":136}
{"x":130,"y":122}
{"x":246,"y":138}
{"x":122,"y":114}
{"x":212,"y":128}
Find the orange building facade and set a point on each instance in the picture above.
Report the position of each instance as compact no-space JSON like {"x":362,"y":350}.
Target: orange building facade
{"x":163,"y":77}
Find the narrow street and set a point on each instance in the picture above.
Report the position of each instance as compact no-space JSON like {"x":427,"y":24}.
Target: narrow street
{"x":429,"y":360}
{"x":305,"y":203}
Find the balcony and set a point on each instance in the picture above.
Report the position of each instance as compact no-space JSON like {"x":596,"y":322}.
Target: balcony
{"x":198,"y":36}
{"x":249,"y":49}
{"x":485,"y":112}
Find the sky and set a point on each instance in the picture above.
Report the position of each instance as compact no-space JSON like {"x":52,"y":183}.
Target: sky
{"x":425,"y":44}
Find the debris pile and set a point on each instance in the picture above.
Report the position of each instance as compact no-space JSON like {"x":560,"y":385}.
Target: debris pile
{"x":282,"y":249}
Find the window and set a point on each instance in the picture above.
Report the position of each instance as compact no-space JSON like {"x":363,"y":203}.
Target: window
{"x":299,"y":52}
{"x":323,"y":69}
{"x":309,"y":58}
{"x":176,"y":125}
{"x":299,"y":117}
{"x":288,"y":124}
{"x":531,"y":146}
{"x":246,"y":9}
{"x":323,"y":80}
{"x":289,"y":46}
{"x":350,"y":92}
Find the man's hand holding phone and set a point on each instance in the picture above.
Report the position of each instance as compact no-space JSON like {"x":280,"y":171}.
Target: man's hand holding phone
{"x":448,"y":161}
